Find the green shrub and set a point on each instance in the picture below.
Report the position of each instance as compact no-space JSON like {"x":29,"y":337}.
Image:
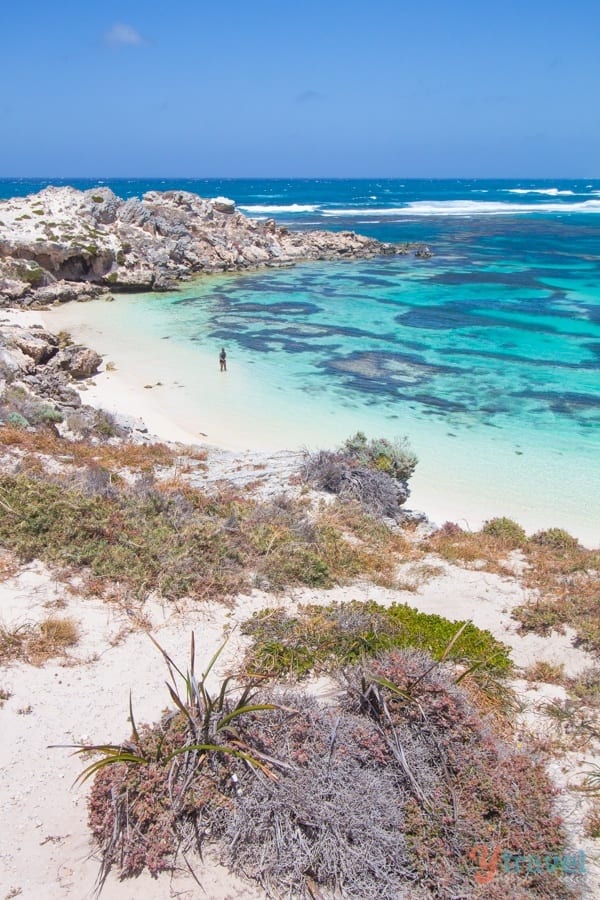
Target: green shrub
{"x":506,"y":531}
{"x":319,"y":638}
{"x":97,"y":198}
{"x":556,"y":539}
{"x":15,"y":418}
{"x":393,"y":457}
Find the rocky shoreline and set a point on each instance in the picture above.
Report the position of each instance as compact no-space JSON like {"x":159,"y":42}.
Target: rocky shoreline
{"x":64,"y":244}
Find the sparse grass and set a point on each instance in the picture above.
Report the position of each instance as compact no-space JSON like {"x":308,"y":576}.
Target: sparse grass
{"x":124,"y":455}
{"x":564,"y":575}
{"x":566,"y":579}
{"x":36,"y":643}
{"x":461,"y":547}
{"x":322,"y":638}
{"x":576,"y":727}
{"x":546,"y":672}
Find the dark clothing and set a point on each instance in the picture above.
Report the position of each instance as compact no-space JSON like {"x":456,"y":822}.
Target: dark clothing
{"x":223,"y":361}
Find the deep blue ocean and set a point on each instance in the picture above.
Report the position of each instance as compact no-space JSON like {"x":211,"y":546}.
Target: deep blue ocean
{"x":493,"y":343}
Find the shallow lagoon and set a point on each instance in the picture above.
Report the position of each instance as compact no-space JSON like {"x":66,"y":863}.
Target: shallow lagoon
{"x":491,"y":370}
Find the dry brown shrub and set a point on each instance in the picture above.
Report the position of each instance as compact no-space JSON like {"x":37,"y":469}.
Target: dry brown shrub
{"x":37,"y":643}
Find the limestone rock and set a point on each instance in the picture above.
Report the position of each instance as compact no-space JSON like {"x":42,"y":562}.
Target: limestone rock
{"x":40,"y":345}
{"x":223,"y":205}
{"x":79,"y":361}
{"x":63,"y":244}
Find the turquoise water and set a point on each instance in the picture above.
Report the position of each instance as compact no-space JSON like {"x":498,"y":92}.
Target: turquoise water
{"x":489,"y":351}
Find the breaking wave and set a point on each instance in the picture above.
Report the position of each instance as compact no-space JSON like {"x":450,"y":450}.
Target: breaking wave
{"x":290,"y":208}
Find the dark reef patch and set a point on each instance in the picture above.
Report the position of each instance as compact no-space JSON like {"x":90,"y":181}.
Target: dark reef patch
{"x":522,"y":360}
{"x":479,"y":276}
{"x":293,"y":308}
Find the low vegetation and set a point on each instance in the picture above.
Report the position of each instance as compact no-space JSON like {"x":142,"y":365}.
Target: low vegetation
{"x":35,"y":643}
{"x":323,"y":638}
{"x":373,"y":472}
{"x":564,"y":576}
{"x":173,"y":539}
{"x":278,"y":782}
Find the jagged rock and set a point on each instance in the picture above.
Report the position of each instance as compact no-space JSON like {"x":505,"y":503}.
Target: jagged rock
{"x":77,"y":360}
{"x":13,"y":361}
{"x":53,"y":386}
{"x":75,"y":242}
{"x":64,"y":291}
{"x":223,"y":205}
{"x":40,"y":345}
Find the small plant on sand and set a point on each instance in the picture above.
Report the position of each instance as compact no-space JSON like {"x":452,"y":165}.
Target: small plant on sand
{"x":546,"y":672}
{"x":37,"y":643}
{"x":5,"y":695}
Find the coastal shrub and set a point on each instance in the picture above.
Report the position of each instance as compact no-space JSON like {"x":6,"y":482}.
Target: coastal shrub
{"x":394,"y":457}
{"x":19,"y":408}
{"x":322,"y":638}
{"x":556,"y":538}
{"x":375,"y":473}
{"x":97,"y":198}
{"x":396,"y":789}
{"x":16,"y":419}
{"x":506,"y":531}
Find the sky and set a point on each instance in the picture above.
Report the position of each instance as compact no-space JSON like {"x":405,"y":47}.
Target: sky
{"x":269,"y":88}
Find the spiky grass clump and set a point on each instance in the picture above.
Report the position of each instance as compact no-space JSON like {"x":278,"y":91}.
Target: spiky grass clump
{"x":321,"y":638}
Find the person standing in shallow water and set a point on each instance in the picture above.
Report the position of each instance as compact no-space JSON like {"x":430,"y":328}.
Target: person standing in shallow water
{"x":223,"y":360}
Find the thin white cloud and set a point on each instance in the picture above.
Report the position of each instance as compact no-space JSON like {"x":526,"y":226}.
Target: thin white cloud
{"x":309,"y":97}
{"x":122,"y":35}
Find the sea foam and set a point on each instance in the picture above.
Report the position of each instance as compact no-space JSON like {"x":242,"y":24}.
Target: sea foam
{"x":290,"y":208}
{"x":550,"y":192}
{"x":469,"y":208}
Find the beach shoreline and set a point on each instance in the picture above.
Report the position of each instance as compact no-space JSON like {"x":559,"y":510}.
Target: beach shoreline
{"x":181,"y":396}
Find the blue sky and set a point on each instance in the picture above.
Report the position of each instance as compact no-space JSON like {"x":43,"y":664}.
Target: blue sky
{"x":300,"y":88}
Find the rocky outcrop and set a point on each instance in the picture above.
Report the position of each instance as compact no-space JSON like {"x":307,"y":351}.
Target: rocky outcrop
{"x":34,"y":367}
{"x":64,"y":244}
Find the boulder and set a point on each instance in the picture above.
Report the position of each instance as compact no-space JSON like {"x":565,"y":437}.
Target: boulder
{"x":40,"y":345}
{"x":79,"y":361}
{"x":223,"y":205}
